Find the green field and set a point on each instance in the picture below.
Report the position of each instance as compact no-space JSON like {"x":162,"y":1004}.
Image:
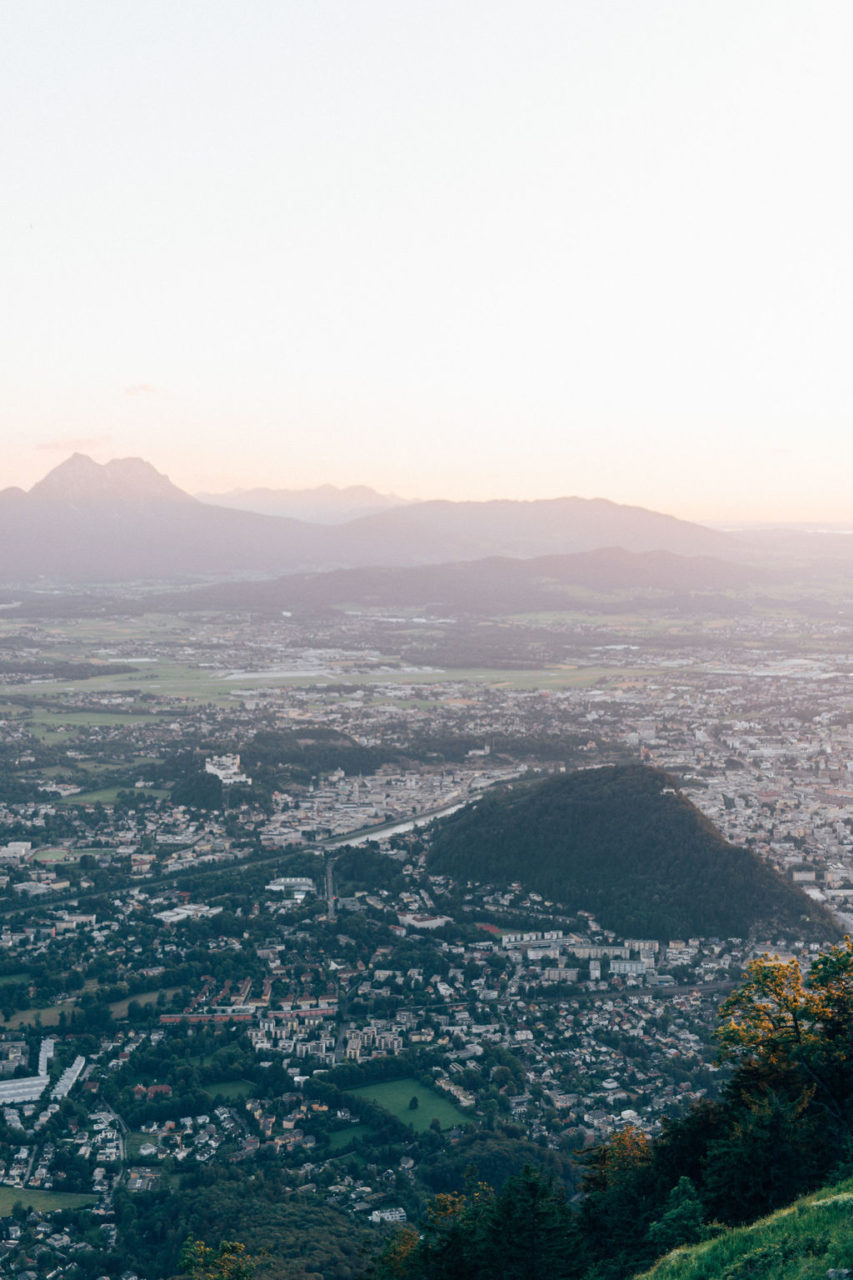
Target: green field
{"x":58,"y":718}
{"x":109,"y":795}
{"x":395,"y":1095}
{"x":119,"y":1008}
{"x":343,"y":1137}
{"x":190,"y":681}
{"x":49,"y":1015}
{"x":229,"y":1088}
{"x":162,"y":678}
{"x":54,"y":855}
{"x":551,"y":677}
{"x":43,"y":1201}
{"x":106,"y":795}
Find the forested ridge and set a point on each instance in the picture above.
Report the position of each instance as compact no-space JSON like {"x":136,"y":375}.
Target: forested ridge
{"x":624,"y":843}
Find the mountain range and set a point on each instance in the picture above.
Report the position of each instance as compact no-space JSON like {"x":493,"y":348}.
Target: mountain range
{"x":496,"y":585}
{"x":123,"y":520}
{"x":324,"y":504}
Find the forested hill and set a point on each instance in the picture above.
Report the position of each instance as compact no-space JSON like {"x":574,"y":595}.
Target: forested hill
{"x":625,"y":844}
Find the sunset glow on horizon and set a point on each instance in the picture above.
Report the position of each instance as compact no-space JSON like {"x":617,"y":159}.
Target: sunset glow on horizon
{"x":450,"y":251}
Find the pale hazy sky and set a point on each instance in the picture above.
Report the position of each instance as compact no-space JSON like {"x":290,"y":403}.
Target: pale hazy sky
{"x":475,"y":248}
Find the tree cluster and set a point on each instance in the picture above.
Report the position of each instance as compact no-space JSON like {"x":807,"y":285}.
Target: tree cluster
{"x":623,"y":843}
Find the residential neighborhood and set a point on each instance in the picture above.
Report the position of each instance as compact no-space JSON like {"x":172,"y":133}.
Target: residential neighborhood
{"x":272,"y":971}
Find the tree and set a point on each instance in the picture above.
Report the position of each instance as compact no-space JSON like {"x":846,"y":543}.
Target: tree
{"x":616,"y":1212}
{"x":772,"y":1150}
{"x":791,"y":1036}
{"x":682,"y":1221}
{"x":198,"y":790}
{"x":785,"y":1121}
{"x":229,"y":1262}
{"x":529,"y":1229}
{"x":523,"y":1233}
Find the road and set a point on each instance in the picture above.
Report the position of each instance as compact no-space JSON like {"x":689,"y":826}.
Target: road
{"x":12,"y":909}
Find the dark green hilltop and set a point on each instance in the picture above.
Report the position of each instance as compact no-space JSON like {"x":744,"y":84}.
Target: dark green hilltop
{"x":626,"y":844}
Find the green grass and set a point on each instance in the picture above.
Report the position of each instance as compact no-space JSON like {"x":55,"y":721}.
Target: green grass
{"x":8,"y":979}
{"x":106,"y":795}
{"x":160,"y":678}
{"x":802,"y":1242}
{"x":57,"y":718}
{"x":164,"y":678}
{"x":395,"y":1095}
{"x":229,"y":1088}
{"x":109,"y":795}
{"x":53,"y":723}
{"x":137,"y":1140}
{"x":48,"y":1017}
{"x":54,"y":855}
{"x":119,"y":1008}
{"x":540,"y":678}
{"x":343,"y":1137}
{"x":43,"y":1201}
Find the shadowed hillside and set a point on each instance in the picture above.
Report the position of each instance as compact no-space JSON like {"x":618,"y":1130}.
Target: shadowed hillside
{"x":623,"y":843}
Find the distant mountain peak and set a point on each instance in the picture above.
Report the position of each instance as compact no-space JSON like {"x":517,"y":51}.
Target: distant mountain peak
{"x":81,"y":479}
{"x":124,"y":519}
{"x":323,"y":504}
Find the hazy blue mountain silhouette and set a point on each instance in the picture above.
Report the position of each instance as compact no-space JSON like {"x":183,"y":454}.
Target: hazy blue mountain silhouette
{"x":124,"y":520}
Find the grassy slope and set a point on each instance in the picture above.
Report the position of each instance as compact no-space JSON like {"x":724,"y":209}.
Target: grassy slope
{"x":801,"y":1242}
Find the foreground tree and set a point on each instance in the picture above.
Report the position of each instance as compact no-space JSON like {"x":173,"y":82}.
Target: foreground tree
{"x":230,"y":1261}
{"x":522,"y":1233}
{"x":793,"y":1038}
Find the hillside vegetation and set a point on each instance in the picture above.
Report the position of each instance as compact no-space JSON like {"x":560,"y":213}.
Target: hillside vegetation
{"x":803,"y":1242}
{"x":625,"y":844}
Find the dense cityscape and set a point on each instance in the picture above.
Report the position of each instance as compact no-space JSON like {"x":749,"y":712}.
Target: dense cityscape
{"x":223,"y":943}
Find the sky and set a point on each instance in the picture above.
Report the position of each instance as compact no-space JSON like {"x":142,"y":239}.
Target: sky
{"x":465,"y":249}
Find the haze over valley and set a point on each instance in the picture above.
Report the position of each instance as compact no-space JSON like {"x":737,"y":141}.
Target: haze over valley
{"x":426,"y":641}
{"x":485,"y":805}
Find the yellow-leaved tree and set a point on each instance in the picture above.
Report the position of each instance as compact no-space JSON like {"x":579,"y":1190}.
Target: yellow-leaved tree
{"x":792,"y":1037}
{"x":230,"y":1261}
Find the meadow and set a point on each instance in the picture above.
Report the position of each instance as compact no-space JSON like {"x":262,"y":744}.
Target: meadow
{"x":395,"y":1096}
{"x":230,"y":1089}
{"x":48,"y":1015}
{"x":43,"y":1201}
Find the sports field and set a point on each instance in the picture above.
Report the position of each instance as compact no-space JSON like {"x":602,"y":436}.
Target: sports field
{"x":396,"y":1095}
{"x":43,"y":1201}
